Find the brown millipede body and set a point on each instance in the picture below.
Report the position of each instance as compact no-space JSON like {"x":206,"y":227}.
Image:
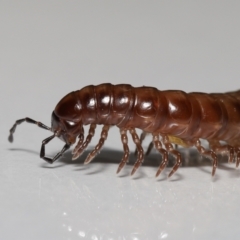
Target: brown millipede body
{"x":171,"y":117}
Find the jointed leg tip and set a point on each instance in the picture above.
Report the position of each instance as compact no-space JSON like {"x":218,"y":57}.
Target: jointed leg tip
{"x":133,"y":171}
{"x":74,"y":158}
{"x":158,"y":173}
{"x":213,"y":174}
{"x":237,"y":162}
{"x":88,"y":160}
{"x":170,"y":174}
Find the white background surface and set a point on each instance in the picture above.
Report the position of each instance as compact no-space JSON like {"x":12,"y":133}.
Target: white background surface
{"x":49,"y":48}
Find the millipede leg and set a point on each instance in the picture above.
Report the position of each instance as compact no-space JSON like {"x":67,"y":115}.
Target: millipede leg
{"x":223,"y":149}
{"x":80,"y":141}
{"x":163,"y":152}
{"x":91,"y":133}
{"x":237,"y":149}
{"x":169,"y":147}
{"x":209,"y":153}
{"x":142,"y":137}
{"x":140,"y":151}
{"x":28,"y":120}
{"x":124,"y":160}
{"x":97,"y":148}
{"x":150,"y":146}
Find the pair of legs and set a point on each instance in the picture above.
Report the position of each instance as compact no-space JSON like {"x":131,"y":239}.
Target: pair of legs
{"x":81,"y":145}
{"x":215,"y":148}
{"x":139,"y":150}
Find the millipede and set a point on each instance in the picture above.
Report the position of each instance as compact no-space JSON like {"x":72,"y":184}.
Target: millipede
{"x":170,"y":116}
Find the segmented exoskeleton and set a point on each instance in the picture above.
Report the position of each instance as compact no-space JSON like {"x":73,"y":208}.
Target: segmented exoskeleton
{"x":172,"y":117}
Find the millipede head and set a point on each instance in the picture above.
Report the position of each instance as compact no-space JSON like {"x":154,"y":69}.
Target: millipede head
{"x":65,"y":129}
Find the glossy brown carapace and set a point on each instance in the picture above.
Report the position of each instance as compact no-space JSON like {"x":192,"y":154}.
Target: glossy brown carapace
{"x":172,"y":117}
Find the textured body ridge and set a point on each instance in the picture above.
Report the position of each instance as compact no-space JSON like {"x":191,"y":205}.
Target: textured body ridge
{"x":170,"y":116}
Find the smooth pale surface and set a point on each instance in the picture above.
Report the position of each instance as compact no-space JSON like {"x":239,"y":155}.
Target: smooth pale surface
{"x":49,"y":48}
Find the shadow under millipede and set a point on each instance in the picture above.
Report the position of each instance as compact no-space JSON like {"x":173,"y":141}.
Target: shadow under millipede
{"x":191,"y":158}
